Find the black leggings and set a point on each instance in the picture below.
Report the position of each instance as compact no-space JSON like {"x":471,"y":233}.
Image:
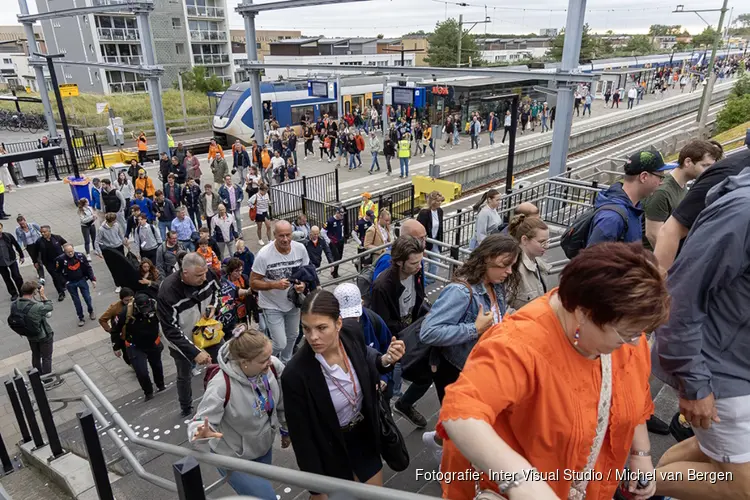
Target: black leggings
{"x":89,"y":236}
{"x":445,"y":375}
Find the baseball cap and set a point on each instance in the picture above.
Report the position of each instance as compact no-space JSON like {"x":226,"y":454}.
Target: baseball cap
{"x":370,"y":213}
{"x":645,"y":161}
{"x":350,"y":300}
{"x":341,"y":210}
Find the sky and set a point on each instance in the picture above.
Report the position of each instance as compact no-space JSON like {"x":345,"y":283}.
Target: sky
{"x":396,"y":17}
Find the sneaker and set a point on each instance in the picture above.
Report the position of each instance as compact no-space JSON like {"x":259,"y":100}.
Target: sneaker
{"x":88,"y":257}
{"x":92,"y":315}
{"x":161,"y":389}
{"x":305,"y":157}
{"x":428,"y":439}
{"x":186,"y":412}
{"x":148,"y":397}
{"x":411,"y":414}
{"x":422,"y":156}
{"x":117,"y":289}
{"x":61,"y":296}
{"x":81,"y":322}
{"x":261,"y":243}
{"x":657,"y":426}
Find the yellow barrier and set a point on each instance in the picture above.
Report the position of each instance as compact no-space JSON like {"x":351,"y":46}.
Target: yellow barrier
{"x":425,"y":185}
{"x":116,"y":157}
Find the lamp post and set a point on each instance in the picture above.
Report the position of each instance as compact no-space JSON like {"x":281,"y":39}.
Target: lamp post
{"x":60,"y":108}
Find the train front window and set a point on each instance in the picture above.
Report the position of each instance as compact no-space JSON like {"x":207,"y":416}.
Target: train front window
{"x":226,"y":105}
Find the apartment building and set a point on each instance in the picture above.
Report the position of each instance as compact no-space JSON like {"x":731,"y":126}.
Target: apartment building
{"x":13,"y":48}
{"x":186,"y":33}
{"x":263,"y":40}
{"x":416,"y":44}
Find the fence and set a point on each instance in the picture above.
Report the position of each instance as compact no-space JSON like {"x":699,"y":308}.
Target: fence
{"x":87,"y":149}
{"x":314,"y":196}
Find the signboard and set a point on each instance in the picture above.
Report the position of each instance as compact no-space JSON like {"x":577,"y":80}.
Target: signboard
{"x":437,"y":90}
{"x":403,"y":96}
{"x":102,"y":107}
{"x":68,"y":89}
{"x":317,"y":89}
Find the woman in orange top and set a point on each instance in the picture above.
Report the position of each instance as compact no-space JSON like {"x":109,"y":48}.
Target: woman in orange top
{"x":214,"y":150}
{"x":145,"y":184}
{"x":561,"y":386}
{"x":142,"y":147}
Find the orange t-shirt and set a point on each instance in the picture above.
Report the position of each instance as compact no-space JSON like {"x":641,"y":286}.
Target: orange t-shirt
{"x":540,"y":395}
{"x":212,"y":260}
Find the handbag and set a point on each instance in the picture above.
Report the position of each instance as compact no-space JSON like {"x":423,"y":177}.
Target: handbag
{"x":207,"y":332}
{"x":392,"y":445}
{"x":252,"y":213}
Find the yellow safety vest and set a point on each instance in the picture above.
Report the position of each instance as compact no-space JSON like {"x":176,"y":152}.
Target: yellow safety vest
{"x":2,"y":187}
{"x":404,"y":149}
{"x":170,"y":141}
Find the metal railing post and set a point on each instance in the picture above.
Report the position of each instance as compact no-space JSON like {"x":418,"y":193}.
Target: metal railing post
{"x":5,"y":458}
{"x":16,"y":404}
{"x":411,"y":201}
{"x":45,"y":413}
{"x":95,"y":454}
{"x":28,"y":409}
{"x":187,"y":475}
{"x":336,"y":173}
{"x":304,"y":186}
{"x":457,"y":238}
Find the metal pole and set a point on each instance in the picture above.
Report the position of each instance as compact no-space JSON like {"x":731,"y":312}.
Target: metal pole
{"x":16,"y":404}
{"x":45,"y":413}
{"x":182,"y":98}
{"x":460,"y":37}
{"x":49,"y":116}
{"x":384,"y":112}
{"x":255,"y":95}
{"x":512,"y":144}
{"x":564,"y":114}
{"x":154,"y":82}
{"x":7,"y":464}
{"x":709,"y":88}
{"x":95,"y":454}
{"x":28,"y":409}
{"x":187,"y":475}
{"x":63,"y":118}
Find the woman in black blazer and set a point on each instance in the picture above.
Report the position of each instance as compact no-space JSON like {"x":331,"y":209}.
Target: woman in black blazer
{"x":427,"y":219}
{"x":330,"y":385}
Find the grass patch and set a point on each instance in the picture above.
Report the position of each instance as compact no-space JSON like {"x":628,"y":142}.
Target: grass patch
{"x":737,"y":132}
{"x":133,"y":108}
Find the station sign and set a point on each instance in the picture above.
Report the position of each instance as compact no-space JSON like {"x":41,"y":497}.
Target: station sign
{"x":68,"y":89}
{"x":319,"y":88}
{"x":438,"y":90}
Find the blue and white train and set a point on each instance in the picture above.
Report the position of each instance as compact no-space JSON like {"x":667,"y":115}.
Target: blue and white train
{"x":290,"y":101}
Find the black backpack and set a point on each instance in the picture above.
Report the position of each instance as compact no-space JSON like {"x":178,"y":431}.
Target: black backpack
{"x":576,"y":237}
{"x":17,"y":321}
{"x":141,"y":324}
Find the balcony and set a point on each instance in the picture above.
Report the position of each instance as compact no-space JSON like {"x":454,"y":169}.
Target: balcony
{"x":211,"y":59}
{"x":198,"y":11}
{"x":119,"y":34}
{"x":128,"y":60}
{"x":128,"y":87}
{"x":208,"y":36}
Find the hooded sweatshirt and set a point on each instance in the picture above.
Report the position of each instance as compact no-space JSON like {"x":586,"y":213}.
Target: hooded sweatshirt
{"x":247,"y":431}
{"x":705,"y":346}
{"x":609,"y":225}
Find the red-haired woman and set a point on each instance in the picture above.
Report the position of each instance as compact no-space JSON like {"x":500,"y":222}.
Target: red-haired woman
{"x":561,"y":386}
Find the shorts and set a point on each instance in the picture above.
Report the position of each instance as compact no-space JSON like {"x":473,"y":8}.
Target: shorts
{"x":729,"y":440}
{"x":261,"y":217}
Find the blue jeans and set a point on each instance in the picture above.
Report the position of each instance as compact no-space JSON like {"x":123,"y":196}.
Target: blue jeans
{"x":253,"y":486}
{"x":163,"y":228}
{"x":73,"y":287}
{"x":359,"y":159}
{"x":432,"y":268}
{"x":282,"y":328}
{"x":544,"y":121}
{"x":492,"y":137}
{"x":404,"y":166}
{"x":352,"y":162}
{"x":374,"y":161}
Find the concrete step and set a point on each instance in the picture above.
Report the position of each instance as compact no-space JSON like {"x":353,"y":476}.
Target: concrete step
{"x":28,"y":483}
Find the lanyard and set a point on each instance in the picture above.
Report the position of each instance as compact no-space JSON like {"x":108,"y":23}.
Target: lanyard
{"x":266,"y":402}
{"x":494,"y":306}
{"x":352,"y":400}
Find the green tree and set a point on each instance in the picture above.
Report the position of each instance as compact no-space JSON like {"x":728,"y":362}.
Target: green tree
{"x":197,"y":79}
{"x":734,"y":113}
{"x":706,"y":37}
{"x":640,"y":45}
{"x":588,"y":46}
{"x":681,"y":47}
{"x":664,"y":30}
{"x":743,"y":20}
{"x":443,"y":48}
{"x":741,"y":87}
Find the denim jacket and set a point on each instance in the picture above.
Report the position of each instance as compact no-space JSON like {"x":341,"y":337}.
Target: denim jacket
{"x":455,"y":335}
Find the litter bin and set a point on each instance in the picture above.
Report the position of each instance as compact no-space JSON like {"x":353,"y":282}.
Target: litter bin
{"x":79,"y":188}
{"x":115,"y":170}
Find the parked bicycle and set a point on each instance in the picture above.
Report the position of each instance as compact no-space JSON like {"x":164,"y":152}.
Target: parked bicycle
{"x":15,"y":121}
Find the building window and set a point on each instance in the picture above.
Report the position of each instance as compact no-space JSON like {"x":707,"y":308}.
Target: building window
{"x":257,"y":45}
{"x":176,"y":23}
{"x":7,"y":61}
{"x":298,"y":112}
{"x":179,"y":48}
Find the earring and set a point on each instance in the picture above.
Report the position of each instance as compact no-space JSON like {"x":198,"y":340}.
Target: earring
{"x":576,"y":336}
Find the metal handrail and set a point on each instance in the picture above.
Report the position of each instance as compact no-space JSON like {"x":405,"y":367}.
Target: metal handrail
{"x":301,"y":479}
{"x":356,"y":257}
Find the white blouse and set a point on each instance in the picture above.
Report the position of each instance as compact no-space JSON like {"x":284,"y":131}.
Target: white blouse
{"x":344,"y":410}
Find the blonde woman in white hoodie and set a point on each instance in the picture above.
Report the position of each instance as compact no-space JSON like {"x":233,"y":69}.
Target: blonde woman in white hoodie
{"x":242,"y":409}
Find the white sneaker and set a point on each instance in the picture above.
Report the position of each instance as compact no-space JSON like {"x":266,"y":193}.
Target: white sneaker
{"x":117,"y":289}
{"x":260,"y":242}
{"x":305,"y":157}
{"x":422,"y":156}
{"x":428,"y":439}
{"x":88,"y":256}
{"x":320,"y":160}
